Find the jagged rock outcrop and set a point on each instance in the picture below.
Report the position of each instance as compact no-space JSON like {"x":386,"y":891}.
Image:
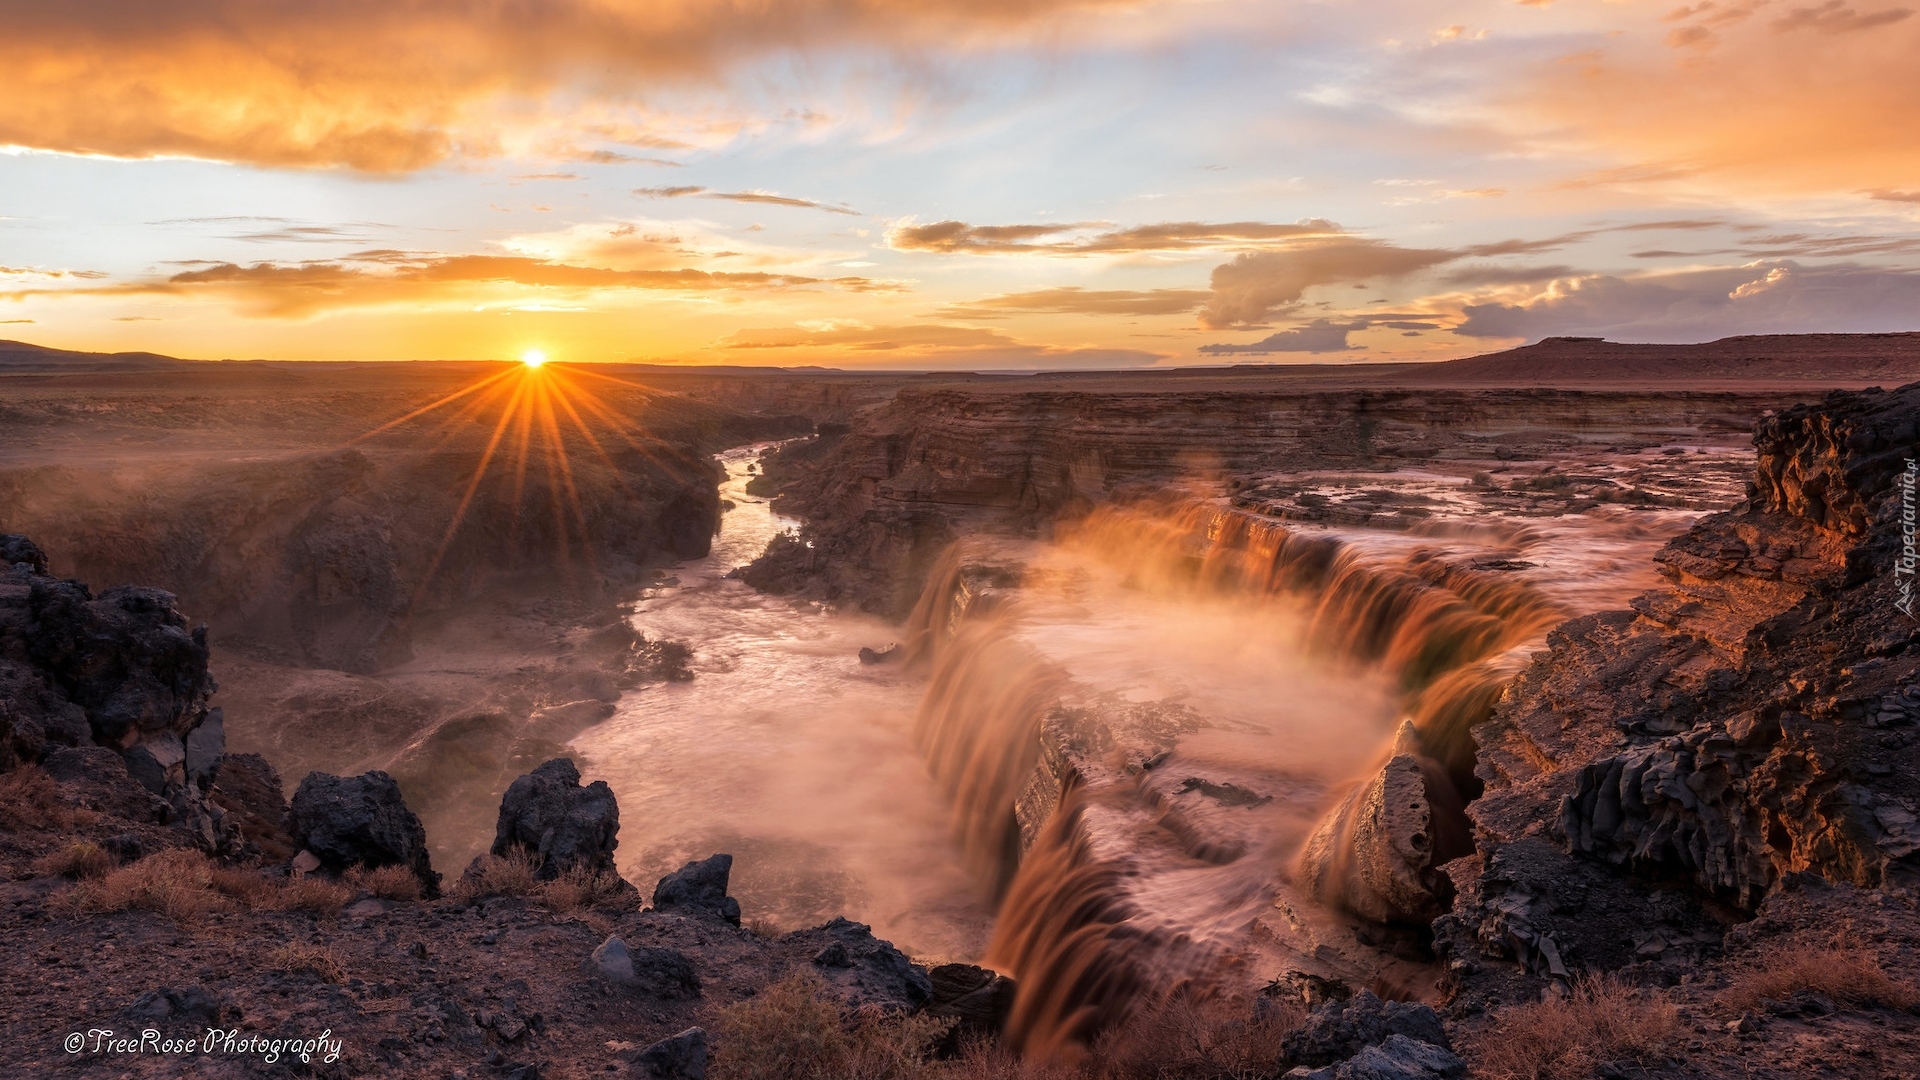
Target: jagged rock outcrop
{"x":121,"y":670}
{"x":1378,"y":853}
{"x":559,"y":823}
{"x":860,"y":969}
{"x":360,"y":821}
{"x":1340,"y":1029}
{"x":976,"y":999}
{"x":677,"y":1057}
{"x":699,"y":888}
{"x":1753,"y":719}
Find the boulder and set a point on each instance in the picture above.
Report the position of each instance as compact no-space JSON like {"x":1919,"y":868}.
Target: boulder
{"x":665,"y":973}
{"x":700,"y":888}
{"x":1378,"y":853}
{"x":976,"y":999}
{"x":860,"y":969}
{"x":17,"y":550}
{"x":1396,"y":1058}
{"x":360,"y":821}
{"x":560,"y":824}
{"x":248,"y":788}
{"x":1340,"y":1029}
{"x":677,"y":1057}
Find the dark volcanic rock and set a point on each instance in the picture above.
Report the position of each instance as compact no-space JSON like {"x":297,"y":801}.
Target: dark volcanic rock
{"x":699,"y":887}
{"x":976,"y":999}
{"x":360,"y":821}
{"x":1395,"y":1058}
{"x":248,"y":789}
{"x":678,"y":1057}
{"x":665,"y":973}
{"x":1340,"y":1029}
{"x":121,"y":669}
{"x":559,"y":823}
{"x":97,"y":778}
{"x":861,"y":969}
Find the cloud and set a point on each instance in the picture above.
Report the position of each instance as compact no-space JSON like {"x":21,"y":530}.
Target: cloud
{"x":1837,"y":17}
{"x":929,"y":346}
{"x":1808,"y":100}
{"x":1256,"y":284}
{"x":1094,"y":238}
{"x":761,"y":197}
{"x":1073,"y":300}
{"x":383,"y":278}
{"x":1318,"y":336}
{"x":1889,"y":195}
{"x":393,"y":87}
{"x":1762,"y":298}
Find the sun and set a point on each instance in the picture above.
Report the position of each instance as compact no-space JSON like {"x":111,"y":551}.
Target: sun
{"x":533,"y":358}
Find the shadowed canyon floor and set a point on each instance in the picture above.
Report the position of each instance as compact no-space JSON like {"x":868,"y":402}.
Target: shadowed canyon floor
{"x":1567,"y":706}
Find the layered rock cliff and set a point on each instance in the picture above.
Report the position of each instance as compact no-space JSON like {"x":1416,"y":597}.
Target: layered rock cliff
{"x":884,"y":495}
{"x":1658,"y":771}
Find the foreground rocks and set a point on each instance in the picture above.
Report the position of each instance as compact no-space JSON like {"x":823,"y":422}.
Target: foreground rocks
{"x":360,"y":821}
{"x":560,"y":824}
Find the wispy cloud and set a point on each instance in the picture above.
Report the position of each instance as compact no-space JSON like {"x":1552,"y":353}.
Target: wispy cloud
{"x":1074,"y":300}
{"x":764,"y":198}
{"x":1094,"y":238}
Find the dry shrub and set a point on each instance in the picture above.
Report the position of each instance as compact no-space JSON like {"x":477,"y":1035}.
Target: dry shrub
{"x":581,"y":888}
{"x":497,"y":875}
{"x":1184,"y":1037}
{"x":296,"y":957}
{"x":77,"y":860}
{"x":394,"y":882}
{"x":1845,"y":973}
{"x":30,"y":801}
{"x":1602,"y":1019}
{"x":793,"y":1031}
{"x":177,"y":884}
{"x":313,"y":895}
{"x":512,"y":874}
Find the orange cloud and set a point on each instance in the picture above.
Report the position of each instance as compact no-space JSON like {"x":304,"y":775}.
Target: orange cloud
{"x":929,"y":345}
{"x":1079,"y":238}
{"x":382,"y":278}
{"x":1816,"y":98}
{"x":1072,"y":300}
{"x":390,"y":87}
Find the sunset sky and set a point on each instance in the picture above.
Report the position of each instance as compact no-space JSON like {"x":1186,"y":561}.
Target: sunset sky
{"x":951,"y":183}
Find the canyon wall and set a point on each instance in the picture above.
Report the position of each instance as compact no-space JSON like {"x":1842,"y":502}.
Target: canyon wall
{"x":1658,"y":771}
{"x":883,"y":495}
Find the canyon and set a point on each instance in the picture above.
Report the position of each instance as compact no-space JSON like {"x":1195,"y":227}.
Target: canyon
{"x":1457,"y":687}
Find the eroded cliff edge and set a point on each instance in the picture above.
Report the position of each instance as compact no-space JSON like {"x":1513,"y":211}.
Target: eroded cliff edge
{"x":1660,"y":773}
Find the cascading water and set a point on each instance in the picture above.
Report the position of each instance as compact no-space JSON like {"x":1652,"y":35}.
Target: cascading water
{"x":1170,"y":738}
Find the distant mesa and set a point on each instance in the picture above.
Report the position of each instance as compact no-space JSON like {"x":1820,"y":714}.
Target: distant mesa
{"x":22,"y":358}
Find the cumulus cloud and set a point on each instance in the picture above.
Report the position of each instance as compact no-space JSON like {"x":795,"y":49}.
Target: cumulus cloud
{"x":1073,"y":300}
{"x":386,"y":87}
{"x":1095,"y":238}
{"x":1781,"y":297}
{"x":1318,"y":336}
{"x":929,"y":346}
{"x":1256,"y":284}
{"x":1837,"y":17}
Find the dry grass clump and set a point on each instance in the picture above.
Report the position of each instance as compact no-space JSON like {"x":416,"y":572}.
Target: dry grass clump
{"x":581,"y":888}
{"x":183,"y":885}
{"x":793,"y":1031}
{"x":1183,"y":1037}
{"x":394,"y":882}
{"x":177,"y":884}
{"x":1602,"y":1019}
{"x":76,"y":860}
{"x":30,"y":801}
{"x":513,"y":875}
{"x":296,"y":957}
{"x":497,"y":875}
{"x":1846,"y":974}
